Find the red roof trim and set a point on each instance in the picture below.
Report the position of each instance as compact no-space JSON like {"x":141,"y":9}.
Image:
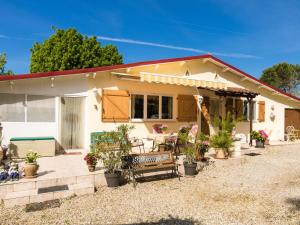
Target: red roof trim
{"x":95,"y":69}
{"x":253,"y":78}
{"x":121,"y":66}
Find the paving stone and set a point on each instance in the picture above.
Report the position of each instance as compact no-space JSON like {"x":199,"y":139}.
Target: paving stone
{"x":85,"y":179}
{"x":46,"y":183}
{"x":66,"y":180}
{"x":24,"y":186}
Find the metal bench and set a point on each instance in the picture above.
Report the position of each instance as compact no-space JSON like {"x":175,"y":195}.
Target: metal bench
{"x":152,"y":162}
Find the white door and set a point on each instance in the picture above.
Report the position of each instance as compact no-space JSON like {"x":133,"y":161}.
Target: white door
{"x":72,"y":122}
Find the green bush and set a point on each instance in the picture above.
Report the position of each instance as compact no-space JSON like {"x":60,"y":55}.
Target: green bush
{"x":221,"y":140}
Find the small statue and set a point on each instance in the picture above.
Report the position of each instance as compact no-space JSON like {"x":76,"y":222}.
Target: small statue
{"x":3,"y":174}
{"x":14,"y":172}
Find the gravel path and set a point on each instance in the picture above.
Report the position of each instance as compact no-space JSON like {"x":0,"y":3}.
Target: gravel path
{"x":263,"y":189}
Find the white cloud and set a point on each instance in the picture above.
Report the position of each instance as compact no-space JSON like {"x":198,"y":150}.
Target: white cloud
{"x":137,"y":42}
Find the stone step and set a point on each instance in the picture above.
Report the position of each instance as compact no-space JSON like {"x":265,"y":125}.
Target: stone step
{"x":32,"y":196}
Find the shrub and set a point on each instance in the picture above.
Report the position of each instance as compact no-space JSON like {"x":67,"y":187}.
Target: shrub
{"x":221,"y":140}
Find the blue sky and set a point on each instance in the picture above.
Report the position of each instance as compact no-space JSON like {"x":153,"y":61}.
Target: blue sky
{"x":251,"y":35}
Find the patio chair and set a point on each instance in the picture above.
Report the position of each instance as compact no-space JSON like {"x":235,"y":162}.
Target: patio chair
{"x":291,"y":133}
{"x":137,"y":143}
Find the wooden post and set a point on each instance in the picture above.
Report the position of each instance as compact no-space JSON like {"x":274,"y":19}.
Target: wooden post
{"x":251,"y":117}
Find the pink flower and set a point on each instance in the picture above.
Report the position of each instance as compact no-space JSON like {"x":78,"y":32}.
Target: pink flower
{"x":263,"y":134}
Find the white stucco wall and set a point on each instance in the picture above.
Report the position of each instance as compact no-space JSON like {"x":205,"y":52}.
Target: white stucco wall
{"x":63,"y":86}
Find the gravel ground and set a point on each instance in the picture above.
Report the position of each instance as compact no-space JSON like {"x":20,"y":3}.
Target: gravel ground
{"x":263,"y":189}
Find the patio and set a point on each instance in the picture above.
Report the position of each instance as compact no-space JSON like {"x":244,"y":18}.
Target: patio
{"x":267,"y":186}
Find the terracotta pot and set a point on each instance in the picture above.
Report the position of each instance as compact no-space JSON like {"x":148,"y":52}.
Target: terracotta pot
{"x":30,"y":170}
{"x":91,"y":167}
{"x":199,"y":156}
{"x":220,"y":153}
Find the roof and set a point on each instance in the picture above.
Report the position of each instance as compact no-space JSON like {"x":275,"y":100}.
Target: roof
{"x":122,"y":66}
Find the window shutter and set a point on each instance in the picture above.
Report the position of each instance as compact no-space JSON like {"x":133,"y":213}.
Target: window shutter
{"x":239,"y":109}
{"x":187,"y":108}
{"x":115,"y":106}
{"x":261,"y":111}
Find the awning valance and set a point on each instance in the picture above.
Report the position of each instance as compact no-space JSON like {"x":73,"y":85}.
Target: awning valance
{"x":185,"y":81}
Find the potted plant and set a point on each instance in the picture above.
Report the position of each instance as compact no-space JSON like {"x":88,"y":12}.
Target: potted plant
{"x":91,"y":161}
{"x":110,"y":148}
{"x":221,"y":142}
{"x":31,"y":167}
{"x":202,"y":146}
{"x":189,"y":162}
{"x":189,"y":150}
{"x":260,"y":138}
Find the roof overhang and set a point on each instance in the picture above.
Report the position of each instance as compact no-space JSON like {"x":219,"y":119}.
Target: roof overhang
{"x":205,"y":58}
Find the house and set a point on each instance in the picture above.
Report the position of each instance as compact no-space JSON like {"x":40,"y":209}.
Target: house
{"x":70,"y":105}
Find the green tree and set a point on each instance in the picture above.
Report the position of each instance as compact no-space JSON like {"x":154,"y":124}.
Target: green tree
{"x":3,"y":61}
{"x":284,"y":76}
{"x":68,"y":49}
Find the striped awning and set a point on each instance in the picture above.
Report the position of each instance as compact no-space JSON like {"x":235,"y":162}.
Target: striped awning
{"x":185,"y":81}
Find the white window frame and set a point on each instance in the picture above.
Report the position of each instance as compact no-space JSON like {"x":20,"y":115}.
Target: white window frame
{"x":145,"y":119}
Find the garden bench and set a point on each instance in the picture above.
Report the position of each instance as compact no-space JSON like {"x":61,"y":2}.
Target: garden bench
{"x":152,"y":162}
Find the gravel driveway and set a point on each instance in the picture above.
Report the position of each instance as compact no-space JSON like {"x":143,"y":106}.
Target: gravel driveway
{"x":262,"y":189}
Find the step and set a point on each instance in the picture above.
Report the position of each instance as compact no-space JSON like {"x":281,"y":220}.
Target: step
{"x":33,"y":196}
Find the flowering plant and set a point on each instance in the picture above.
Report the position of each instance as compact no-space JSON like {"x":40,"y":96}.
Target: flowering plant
{"x":259,"y":136}
{"x":202,"y":143}
{"x":91,"y":158}
{"x":164,"y":128}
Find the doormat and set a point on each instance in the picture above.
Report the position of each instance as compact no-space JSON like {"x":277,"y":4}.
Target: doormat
{"x":33,"y":207}
{"x":53,"y":189}
{"x":252,"y":154}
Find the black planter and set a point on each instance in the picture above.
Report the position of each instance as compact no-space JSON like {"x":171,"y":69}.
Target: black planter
{"x":190,"y":169}
{"x":113,"y":179}
{"x":260,"y":144}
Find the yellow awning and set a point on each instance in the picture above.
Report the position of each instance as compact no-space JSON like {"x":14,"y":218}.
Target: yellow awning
{"x":185,"y":81}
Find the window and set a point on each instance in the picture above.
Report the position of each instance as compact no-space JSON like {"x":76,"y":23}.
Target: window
{"x":137,"y":106}
{"x":40,"y":108}
{"x":152,"y":107}
{"x":26,"y":108}
{"x":167,"y":107}
{"x":12,"y":107}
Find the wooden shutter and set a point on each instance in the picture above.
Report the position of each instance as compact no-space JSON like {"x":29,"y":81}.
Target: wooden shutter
{"x":115,"y":106}
{"x":187,"y":108}
{"x":261,"y":111}
{"x":239,"y":109}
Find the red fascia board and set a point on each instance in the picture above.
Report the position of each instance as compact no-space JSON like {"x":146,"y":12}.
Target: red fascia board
{"x":253,"y":78}
{"x":95,"y":69}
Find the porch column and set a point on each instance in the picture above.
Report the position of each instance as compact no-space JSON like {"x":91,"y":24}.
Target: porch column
{"x":251,"y":117}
